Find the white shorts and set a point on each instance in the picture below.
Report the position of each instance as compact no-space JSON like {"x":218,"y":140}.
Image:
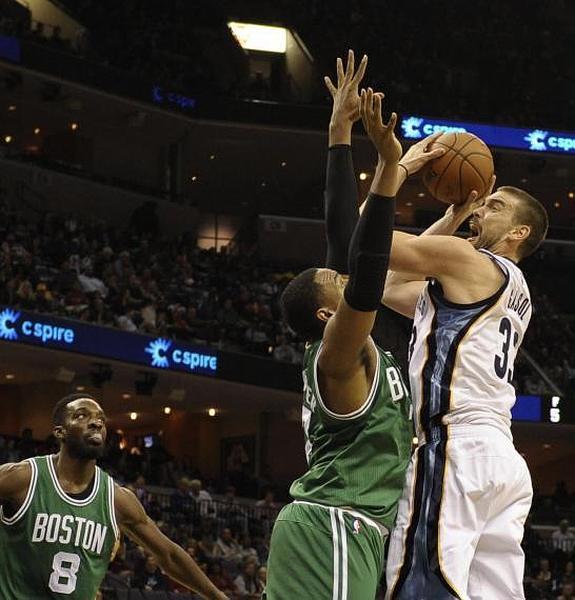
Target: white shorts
{"x":460,"y":520}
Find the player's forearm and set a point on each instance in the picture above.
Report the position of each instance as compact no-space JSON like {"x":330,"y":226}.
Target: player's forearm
{"x":387,"y":180}
{"x":341,"y":199}
{"x":448,"y":224}
{"x":183,"y":569}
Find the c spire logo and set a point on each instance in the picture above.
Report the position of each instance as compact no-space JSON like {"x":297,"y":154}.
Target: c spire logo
{"x":536,"y":140}
{"x":8,"y":319}
{"x":411,"y":127}
{"x":159,"y":351}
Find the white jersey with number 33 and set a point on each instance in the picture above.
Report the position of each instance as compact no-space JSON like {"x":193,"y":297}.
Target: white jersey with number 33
{"x":462,"y":355}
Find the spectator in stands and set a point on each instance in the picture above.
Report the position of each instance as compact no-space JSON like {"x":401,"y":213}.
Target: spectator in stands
{"x":568,"y":575}
{"x":247,"y":583}
{"x":149,"y":577}
{"x":262,"y":576}
{"x":220,"y":578}
{"x":567,"y":592}
{"x":207,"y":549}
{"x":89,"y":282}
{"x":544,"y":577}
{"x":228,"y":548}
{"x":231,"y":512}
{"x":562,"y":538}
{"x":284,"y":351}
{"x":266,"y":511}
{"x":26,"y":445}
{"x":202,"y":500}
{"x":140,"y":490}
{"x":248,"y":549}
{"x":181,"y":502}
{"x":267,"y":503}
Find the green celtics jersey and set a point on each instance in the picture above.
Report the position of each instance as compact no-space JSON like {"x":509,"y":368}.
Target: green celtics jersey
{"x":56,"y":546}
{"x":357,"y":460}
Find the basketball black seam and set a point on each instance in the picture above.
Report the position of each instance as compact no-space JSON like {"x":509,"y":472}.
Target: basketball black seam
{"x":449,"y":163}
{"x":463,"y":156}
{"x":485,"y":183}
{"x":460,"y":180}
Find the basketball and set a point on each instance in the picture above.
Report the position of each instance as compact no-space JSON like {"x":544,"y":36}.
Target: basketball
{"x":467,"y":165}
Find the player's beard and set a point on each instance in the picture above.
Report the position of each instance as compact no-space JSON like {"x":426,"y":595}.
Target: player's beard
{"x":80,"y":449}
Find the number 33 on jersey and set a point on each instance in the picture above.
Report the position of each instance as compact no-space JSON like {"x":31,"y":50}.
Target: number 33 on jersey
{"x":462,"y":356}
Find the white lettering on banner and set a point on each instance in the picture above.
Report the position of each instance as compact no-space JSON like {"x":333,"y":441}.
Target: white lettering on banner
{"x":430,"y":128}
{"x":564,"y":143}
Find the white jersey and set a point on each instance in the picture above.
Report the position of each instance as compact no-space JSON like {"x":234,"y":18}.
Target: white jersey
{"x":462,"y":355}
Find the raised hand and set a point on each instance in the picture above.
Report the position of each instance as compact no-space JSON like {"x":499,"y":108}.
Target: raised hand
{"x":462,"y":211}
{"x":346,"y":95}
{"x":420,"y":154}
{"x":381,"y":134}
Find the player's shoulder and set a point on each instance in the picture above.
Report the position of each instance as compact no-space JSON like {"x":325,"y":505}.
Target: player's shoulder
{"x":127,"y":507}
{"x":15,"y":478}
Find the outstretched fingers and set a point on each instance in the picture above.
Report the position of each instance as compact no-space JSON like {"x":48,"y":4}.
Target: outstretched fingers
{"x":329,"y":85}
{"x":360,"y":71}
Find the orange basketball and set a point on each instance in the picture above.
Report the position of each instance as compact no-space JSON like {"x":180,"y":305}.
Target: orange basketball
{"x":467,"y":165}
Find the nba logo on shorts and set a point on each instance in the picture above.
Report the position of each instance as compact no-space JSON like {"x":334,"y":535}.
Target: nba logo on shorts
{"x":356,"y":527}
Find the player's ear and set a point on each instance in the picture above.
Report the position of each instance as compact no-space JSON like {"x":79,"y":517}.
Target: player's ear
{"x":58,"y":432}
{"x":324,"y":313}
{"x":520,"y":232}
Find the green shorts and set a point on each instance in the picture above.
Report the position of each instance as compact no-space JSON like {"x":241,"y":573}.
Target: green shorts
{"x":324,"y":553}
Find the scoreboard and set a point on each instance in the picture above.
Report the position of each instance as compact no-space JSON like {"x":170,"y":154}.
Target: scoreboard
{"x":544,"y":409}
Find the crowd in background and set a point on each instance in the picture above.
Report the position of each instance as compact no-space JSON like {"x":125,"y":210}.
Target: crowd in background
{"x":227,"y":529}
{"x":423,"y":53}
{"x":138,"y":282}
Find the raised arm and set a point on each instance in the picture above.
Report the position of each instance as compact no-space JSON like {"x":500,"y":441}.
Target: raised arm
{"x":137,"y":525}
{"x":402,"y":289}
{"x":341,"y":196}
{"x":347,"y":361}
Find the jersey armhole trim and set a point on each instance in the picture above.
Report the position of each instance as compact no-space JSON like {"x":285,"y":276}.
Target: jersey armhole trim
{"x":368,"y":401}
{"x":27,"y":500}
{"x":112,"y":506}
{"x":436,"y":291}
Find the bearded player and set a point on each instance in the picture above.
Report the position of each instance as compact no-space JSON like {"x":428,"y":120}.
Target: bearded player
{"x":61,"y":517}
{"x":468,"y":491}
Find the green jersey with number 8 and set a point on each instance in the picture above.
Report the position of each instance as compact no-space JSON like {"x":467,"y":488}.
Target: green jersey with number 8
{"x":54,"y":545}
{"x":357,"y":460}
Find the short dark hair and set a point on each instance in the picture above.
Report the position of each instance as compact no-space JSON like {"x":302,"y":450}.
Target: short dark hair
{"x":529,"y":211}
{"x":59,"y":412}
{"x":299,"y":302}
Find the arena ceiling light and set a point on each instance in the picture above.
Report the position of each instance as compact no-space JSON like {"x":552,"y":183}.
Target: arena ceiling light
{"x":260,"y":37}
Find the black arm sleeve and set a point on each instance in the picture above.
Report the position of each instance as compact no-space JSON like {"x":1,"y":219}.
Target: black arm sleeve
{"x":341,"y":206}
{"x":369,"y":254}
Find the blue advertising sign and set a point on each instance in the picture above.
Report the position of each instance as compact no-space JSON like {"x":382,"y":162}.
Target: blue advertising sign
{"x":161,"y":96}
{"x":527,"y":408}
{"x":531,"y":140}
{"x":75,"y":336}
{"x":10,"y":48}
